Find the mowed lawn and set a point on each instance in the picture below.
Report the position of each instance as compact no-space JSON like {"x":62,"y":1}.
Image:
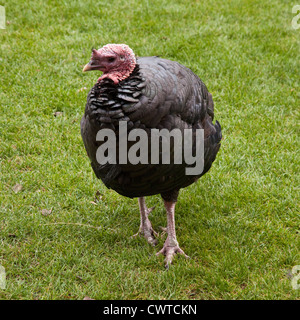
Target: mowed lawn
{"x":63,"y":235}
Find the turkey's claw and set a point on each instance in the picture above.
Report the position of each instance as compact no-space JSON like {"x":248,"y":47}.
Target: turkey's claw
{"x":169,"y":252}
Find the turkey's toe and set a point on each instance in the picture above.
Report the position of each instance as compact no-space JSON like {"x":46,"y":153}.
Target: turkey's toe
{"x":151,"y":239}
{"x":148,"y":232}
{"x":169,"y":252}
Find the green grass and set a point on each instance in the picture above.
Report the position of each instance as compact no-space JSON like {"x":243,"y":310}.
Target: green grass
{"x":239,"y":223}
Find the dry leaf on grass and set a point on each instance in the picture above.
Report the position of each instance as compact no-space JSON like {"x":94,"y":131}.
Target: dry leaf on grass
{"x":87,"y":298}
{"x":12,"y":235}
{"x":17,"y":188}
{"x":46,"y":212}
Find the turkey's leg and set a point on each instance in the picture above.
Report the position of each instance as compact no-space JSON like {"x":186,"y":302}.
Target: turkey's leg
{"x":171,"y":246}
{"x":145,"y":227}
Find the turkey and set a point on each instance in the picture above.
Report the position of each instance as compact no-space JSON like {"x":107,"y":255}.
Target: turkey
{"x":147,"y":93}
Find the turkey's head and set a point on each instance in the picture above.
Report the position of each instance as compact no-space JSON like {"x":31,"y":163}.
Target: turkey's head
{"x":116,"y":61}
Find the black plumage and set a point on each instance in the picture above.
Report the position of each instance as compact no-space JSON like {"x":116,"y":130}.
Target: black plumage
{"x":158,"y":94}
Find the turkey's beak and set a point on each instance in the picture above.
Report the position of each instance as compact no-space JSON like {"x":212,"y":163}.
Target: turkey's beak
{"x":92,"y":65}
{"x":87,"y":67}
{"x":95,"y":63}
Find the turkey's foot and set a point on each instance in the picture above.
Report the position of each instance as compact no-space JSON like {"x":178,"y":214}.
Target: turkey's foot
{"x":169,"y":250}
{"x":146,"y":229}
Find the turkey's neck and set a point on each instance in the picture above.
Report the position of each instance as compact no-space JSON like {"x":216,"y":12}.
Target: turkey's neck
{"x":119,"y":75}
{"x":106,"y":83}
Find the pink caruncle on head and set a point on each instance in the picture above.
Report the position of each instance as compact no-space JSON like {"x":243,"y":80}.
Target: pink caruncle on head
{"x":117,"y":61}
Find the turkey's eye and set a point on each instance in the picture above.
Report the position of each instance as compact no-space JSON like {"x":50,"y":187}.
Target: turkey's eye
{"x":111,"y":59}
